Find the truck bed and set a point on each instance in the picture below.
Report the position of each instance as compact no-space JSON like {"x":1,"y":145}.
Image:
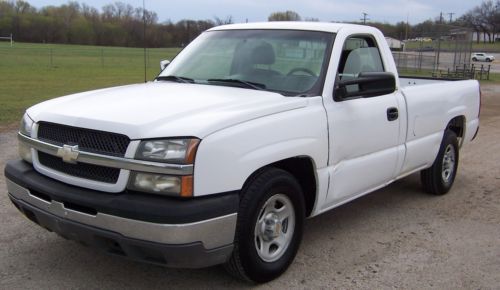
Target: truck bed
{"x":431,"y":104}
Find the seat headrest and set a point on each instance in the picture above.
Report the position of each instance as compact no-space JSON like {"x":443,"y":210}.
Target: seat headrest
{"x":263,"y":53}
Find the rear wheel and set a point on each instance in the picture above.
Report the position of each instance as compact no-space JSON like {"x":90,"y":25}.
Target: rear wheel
{"x":474,"y":59}
{"x":269,"y":227}
{"x":439,"y":178}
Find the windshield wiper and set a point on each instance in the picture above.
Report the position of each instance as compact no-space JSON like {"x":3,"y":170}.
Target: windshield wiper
{"x":247,"y":84}
{"x":175,"y":79}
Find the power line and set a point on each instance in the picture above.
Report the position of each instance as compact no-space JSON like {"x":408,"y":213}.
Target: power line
{"x":365,"y":18}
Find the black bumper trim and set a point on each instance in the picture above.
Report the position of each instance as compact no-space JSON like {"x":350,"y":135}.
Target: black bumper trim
{"x":131,"y":205}
{"x":192,"y":255}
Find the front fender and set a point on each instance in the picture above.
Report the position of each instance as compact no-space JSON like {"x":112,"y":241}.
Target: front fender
{"x":226,"y":158}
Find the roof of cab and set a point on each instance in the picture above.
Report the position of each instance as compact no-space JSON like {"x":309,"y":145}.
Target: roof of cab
{"x":292,"y":25}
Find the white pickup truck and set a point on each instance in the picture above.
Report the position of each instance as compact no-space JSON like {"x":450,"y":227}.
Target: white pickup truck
{"x":250,"y":130}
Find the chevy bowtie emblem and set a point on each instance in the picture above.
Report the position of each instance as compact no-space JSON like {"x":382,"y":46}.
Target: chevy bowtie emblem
{"x":68,"y":153}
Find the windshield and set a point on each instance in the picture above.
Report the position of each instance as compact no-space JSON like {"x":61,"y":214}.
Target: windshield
{"x":286,"y":61}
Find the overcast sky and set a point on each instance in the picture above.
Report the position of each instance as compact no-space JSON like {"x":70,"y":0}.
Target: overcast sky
{"x":390,"y":11}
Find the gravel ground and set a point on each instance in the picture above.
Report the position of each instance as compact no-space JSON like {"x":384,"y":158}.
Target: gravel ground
{"x":397,"y":237}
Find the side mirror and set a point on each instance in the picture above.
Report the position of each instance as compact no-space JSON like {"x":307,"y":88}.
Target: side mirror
{"x":366,"y":85}
{"x":164,"y":64}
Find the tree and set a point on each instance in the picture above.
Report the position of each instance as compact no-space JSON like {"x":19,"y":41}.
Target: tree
{"x":483,"y":19}
{"x":284,"y":16}
{"x":220,"y":21}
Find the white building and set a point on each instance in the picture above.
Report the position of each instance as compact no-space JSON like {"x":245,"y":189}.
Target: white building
{"x":395,"y":44}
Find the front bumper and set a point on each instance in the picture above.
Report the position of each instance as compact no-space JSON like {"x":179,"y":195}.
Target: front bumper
{"x":178,"y":233}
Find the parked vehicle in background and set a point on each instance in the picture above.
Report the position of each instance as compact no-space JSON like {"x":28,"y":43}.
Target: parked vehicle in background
{"x":426,"y":48}
{"x":250,"y":130}
{"x":481,"y":56}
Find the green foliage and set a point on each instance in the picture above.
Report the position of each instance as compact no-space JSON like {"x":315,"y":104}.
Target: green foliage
{"x":118,"y":24}
{"x":484,"y":19}
{"x":30,"y":75}
{"x":284,"y":16}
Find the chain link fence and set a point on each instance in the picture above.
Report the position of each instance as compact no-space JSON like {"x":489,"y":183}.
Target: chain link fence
{"x":58,"y":56}
{"x":441,"y":52}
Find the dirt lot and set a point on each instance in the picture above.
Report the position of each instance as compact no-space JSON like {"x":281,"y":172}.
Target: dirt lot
{"x":397,"y":237}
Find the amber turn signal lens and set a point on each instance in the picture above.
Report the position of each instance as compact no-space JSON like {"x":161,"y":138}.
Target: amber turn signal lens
{"x":187,"y":186}
{"x":191,"y":150}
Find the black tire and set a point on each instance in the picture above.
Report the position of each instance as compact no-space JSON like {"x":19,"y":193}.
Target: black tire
{"x":488,"y":60}
{"x":245,"y":262}
{"x":474,"y":59}
{"x":439,"y":178}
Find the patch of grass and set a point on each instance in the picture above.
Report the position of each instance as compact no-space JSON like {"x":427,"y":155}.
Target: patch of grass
{"x":31,"y":73}
{"x":494,"y":79}
{"x":451,"y":45}
{"x":416,"y":73}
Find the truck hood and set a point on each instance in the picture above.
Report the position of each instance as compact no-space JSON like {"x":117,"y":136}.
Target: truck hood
{"x":163,"y":109}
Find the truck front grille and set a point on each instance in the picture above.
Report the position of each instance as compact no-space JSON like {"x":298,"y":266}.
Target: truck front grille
{"x":99,"y":142}
{"x":82,"y":170}
{"x":94,"y":141}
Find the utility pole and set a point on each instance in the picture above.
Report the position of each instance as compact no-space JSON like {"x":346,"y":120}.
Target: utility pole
{"x":439,"y":40}
{"x":365,"y":18}
{"x":451,"y":16}
{"x":407,"y":25}
{"x":144,"y":37}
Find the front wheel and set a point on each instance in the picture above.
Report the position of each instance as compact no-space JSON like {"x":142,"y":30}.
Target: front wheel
{"x":474,"y":59}
{"x":269,"y":227}
{"x":439,"y":178}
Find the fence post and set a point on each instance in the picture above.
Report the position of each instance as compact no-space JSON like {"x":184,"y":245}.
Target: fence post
{"x":51,"y":57}
{"x":102,"y":57}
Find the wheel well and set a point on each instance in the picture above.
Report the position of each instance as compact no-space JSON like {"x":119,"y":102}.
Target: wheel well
{"x":302,"y":168}
{"x":457,"y":125}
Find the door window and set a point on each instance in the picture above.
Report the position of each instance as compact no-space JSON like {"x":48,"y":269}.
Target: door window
{"x":359,"y":54}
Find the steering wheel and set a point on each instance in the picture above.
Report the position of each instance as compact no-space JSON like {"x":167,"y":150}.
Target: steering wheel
{"x":301,"y":69}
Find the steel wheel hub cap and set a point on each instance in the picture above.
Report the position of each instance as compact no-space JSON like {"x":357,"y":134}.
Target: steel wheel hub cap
{"x":274,"y":228}
{"x":448,"y":163}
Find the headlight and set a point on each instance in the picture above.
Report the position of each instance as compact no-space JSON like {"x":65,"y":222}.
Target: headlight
{"x":26,"y":125}
{"x":177,"y":151}
{"x":180,"y":151}
{"x":162,"y":184}
{"x":25,"y":128}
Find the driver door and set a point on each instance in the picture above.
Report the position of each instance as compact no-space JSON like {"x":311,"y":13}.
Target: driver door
{"x":363,"y":138}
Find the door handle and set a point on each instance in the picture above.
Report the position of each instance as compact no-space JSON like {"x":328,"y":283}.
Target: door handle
{"x":392,"y":114}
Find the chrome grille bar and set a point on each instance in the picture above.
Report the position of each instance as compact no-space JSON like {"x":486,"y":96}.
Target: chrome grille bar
{"x":111,"y":161}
